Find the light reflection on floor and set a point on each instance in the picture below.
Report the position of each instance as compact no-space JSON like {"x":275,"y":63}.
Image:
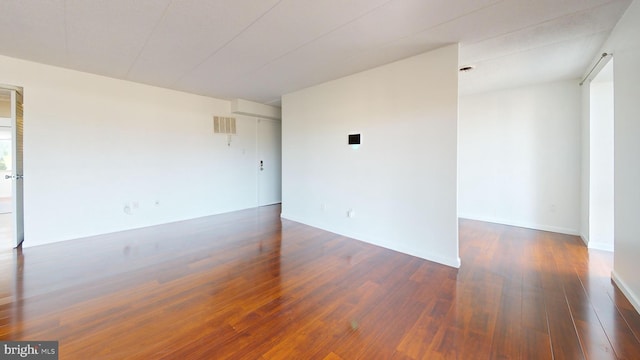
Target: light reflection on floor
{"x":6,"y":232}
{"x":6,"y":268}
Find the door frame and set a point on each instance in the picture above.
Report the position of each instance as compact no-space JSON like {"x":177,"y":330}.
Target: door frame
{"x":17,"y":178}
{"x":261,"y":200}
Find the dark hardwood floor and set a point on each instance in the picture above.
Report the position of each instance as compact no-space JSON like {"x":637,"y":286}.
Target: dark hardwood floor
{"x":247,"y":285}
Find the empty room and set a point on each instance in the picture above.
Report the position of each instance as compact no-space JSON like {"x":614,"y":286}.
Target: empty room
{"x":296,"y":179}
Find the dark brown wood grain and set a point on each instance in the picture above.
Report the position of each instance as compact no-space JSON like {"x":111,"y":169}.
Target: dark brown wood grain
{"x":248,"y":285}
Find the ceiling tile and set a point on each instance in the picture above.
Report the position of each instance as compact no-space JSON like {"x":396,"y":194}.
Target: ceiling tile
{"x":287,"y":27}
{"x":105,"y":37}
{"x":559,"y":61}
{"x":189,"y":33}
{"x":324,"y":57}
{"x":262,"y":49}
{"x":508,"y":16}
{"x":33,"y":30}
{"x":572,"y":26}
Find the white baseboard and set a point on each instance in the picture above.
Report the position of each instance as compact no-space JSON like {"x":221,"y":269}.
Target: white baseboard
{"x":522,"y":224}
{"x":631,"y":296}
{"x":597,"y":245}
{"x":452,"y":262}
{"x":584,"y":240}
{"x":600,"y":246}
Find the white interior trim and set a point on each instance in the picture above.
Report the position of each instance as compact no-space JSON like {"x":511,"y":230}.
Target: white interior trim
{"x":633,"y":298}
{"x":522,"y":224}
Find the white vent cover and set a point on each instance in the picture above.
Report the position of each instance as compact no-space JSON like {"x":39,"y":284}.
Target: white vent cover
{"x":224,"y":125}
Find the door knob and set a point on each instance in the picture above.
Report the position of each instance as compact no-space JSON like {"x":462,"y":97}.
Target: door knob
{"x":261,"y":165}
{"x":8,"y":177}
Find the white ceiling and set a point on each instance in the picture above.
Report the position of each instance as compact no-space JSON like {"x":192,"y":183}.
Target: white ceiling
{"x":262,"y":49}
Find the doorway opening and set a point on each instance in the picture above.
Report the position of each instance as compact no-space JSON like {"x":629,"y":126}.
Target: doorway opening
{"x":6,"y":168}
{"x":11,"y":175}
{"x":6,"y":188}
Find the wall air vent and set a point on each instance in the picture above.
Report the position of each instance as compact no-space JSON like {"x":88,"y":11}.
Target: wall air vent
{"x":224,"y":125}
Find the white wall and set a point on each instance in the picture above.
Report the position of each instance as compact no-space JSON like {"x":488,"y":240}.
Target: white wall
{"x":586,"y":159}
{"x":585,"y":162}
{"x":94,"y":145}
{"x":401,"y":182}
{"x":519,"y":157}
{"x":601,"y":203}
{"x":625,"y":46}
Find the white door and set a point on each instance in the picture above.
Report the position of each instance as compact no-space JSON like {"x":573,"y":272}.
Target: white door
{"x":269,"y":162}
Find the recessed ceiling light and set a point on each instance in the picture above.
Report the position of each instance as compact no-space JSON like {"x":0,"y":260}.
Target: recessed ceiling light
{"x":467,"y":68}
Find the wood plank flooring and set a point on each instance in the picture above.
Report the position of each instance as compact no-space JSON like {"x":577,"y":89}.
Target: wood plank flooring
{"x":248,"y":285}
